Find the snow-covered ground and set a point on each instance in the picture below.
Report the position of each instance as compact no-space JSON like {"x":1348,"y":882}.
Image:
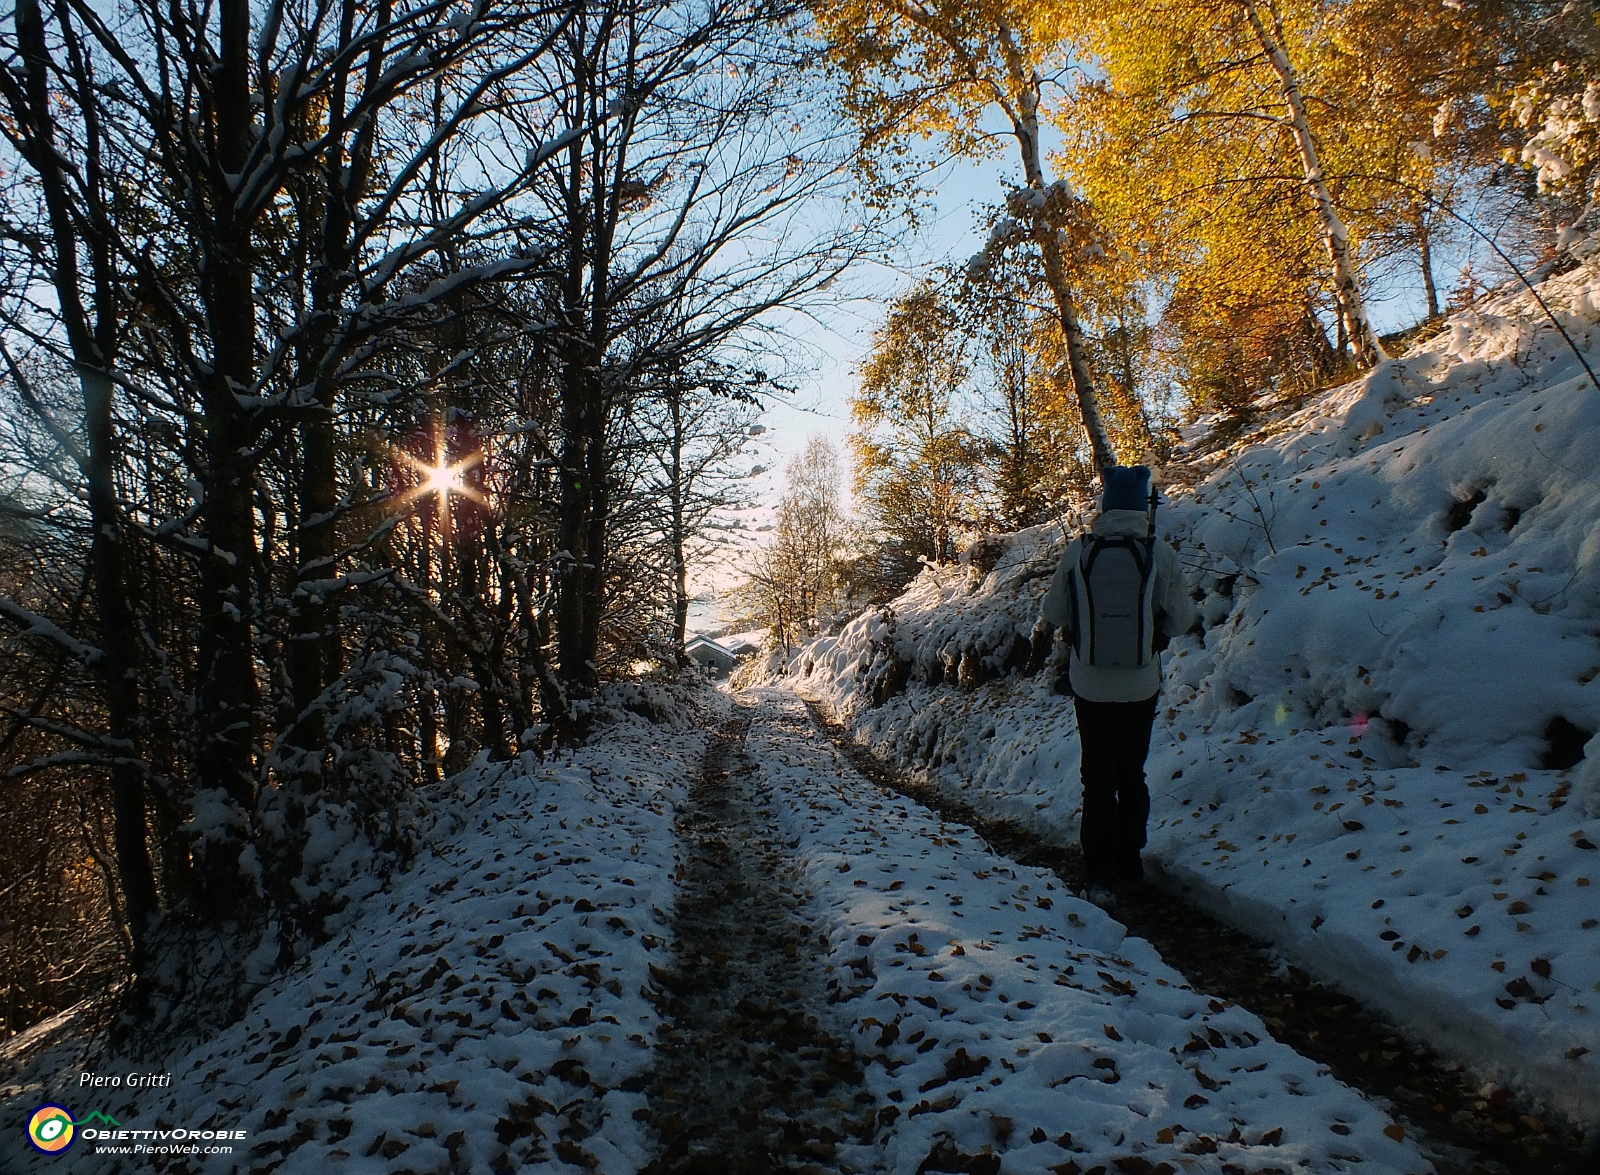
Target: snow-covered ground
{"x":486,"y":1014}
{"x":999,"y":1015}
{"x":492,"y":1011}
{"x":1381,"y":754}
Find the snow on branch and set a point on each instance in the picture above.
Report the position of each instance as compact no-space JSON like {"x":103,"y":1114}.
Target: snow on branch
{"x":103,"y":760}
{"x":322,"y":588}
{"x":32,"y":624}
{"x":72,"y":734}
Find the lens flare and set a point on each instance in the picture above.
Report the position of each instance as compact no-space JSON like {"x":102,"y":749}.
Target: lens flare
{"x":439,"y":481}
{"x":443,"y":478}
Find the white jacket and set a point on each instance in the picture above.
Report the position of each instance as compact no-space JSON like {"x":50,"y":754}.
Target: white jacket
{"x":1170,"y":604}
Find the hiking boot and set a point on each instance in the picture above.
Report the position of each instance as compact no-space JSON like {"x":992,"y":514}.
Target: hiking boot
{"x":1099,"y":894}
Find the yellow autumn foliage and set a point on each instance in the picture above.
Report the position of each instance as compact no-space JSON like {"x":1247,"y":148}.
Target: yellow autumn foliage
{"x":1183,"y":140}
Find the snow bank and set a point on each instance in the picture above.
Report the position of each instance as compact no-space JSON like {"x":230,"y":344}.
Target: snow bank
{"x":1000,"y":1016}
{"x":1382,"y":755}
{"x":485,"y":1015}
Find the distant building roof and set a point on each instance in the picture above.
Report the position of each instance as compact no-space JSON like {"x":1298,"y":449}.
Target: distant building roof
{"x":709,"y":652}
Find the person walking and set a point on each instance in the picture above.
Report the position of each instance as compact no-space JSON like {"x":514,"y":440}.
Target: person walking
{"x":1118,"y":596}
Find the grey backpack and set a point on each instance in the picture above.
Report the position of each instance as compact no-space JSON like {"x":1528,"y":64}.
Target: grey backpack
{"x":1113,"y":621}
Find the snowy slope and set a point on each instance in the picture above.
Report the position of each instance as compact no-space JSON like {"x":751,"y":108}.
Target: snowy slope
{"x":485,"y":1015}
{"x":998,"y":1015}
{"x":1372,"y":755}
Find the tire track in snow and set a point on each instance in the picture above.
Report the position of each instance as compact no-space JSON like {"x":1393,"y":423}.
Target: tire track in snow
{"x":1462,"y":1131}
{"x":749,"y":1078}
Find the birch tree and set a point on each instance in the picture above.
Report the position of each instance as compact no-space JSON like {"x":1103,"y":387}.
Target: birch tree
{"x":1335,"y":236}
{"x":1267,"y":152}
{"x":929,"y":67}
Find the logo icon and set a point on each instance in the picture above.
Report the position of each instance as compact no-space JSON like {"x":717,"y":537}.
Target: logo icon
{"x":50,"y":1129}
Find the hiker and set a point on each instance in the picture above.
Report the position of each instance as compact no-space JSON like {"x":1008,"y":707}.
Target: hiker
{"x":1118,"y":596}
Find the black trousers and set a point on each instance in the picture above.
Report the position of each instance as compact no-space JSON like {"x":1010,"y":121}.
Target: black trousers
{"x":1115,"y":737}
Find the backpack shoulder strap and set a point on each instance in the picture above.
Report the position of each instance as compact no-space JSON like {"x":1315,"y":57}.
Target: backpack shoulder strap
{"x":1147,"y":595}
{"x":1088,"y":548}
{"x":1093,"y":544}
{"x":1145,"y":551}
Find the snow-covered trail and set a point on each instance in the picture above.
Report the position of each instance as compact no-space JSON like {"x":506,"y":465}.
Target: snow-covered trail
{"x":747,"y":1079}
{"x":1465,"y":1129}
{"x":1008,"y":1027}
{"x":597,"y":959}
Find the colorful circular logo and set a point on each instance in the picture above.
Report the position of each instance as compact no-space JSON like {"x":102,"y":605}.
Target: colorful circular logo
{"x":51,"y":1130}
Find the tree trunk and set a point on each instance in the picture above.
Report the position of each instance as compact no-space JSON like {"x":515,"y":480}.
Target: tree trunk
{"x":313,"y":656}
{"x":509,"y":692}
{"x":120,"y":673}
{"x":1025,"y":128}
{"x":1100,"y":447}
{"x":599,"y":477}
{"x":428,"y":695}
{"x":227,"y":690}
{"x":1335,"y":236}
{"x":577,"y":626}
{"x":92,"y":352}
{"x":680,"y":564}
{"x":539,"y":685}
{"x":1425,"y":249}
{"x":585,"y":497}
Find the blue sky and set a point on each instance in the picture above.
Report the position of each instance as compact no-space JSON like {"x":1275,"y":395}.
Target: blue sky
{"x":831,"y":343}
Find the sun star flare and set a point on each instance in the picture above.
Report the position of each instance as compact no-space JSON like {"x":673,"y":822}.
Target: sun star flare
{"x":444,"y":478}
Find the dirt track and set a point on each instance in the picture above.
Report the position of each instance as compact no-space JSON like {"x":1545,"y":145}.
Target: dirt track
{"x":749,"y":1078}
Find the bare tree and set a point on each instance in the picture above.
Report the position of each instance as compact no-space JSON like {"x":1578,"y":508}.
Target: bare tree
{"x":795,"y":579}
{"x":73,"y":226}
{"x":695,"y":202}
{"x":160,"y":151}
{"x":694,"y":427}
{"x":375,"y":364}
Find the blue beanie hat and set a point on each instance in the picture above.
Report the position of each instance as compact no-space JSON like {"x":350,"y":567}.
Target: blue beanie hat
{"x":1127,"y":487}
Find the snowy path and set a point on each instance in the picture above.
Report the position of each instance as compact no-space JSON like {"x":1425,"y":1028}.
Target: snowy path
{"x":747,"y":1077}
{"x":1465,"y":1131}
{"x":1008,"y":1027}
{"x":853,"y":985}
